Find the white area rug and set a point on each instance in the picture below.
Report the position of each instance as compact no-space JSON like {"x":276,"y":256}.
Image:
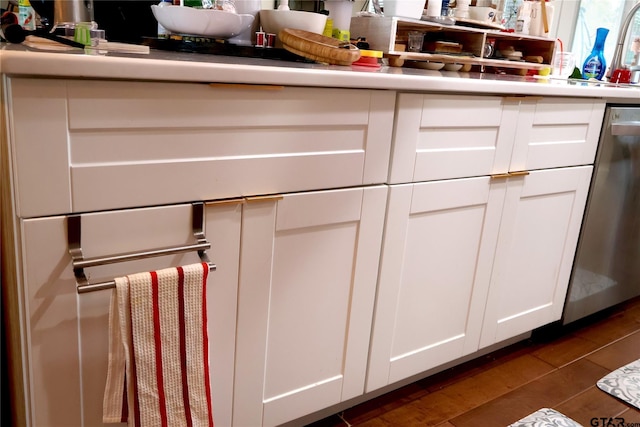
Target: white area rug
{"x":624,"y":383}
{"x":546,"y":417}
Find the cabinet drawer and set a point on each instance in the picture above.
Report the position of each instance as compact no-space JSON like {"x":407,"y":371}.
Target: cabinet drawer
{"x":93,"y":145}
{"x":557,"y":132}
{"x":451,"y":136}
{"x":455,"y":136}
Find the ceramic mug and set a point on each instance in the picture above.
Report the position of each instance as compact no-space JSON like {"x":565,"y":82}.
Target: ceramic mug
{"x":482,"y":13}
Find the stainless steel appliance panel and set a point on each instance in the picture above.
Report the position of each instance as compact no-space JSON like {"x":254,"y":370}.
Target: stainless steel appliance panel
{"x":607,"y":265}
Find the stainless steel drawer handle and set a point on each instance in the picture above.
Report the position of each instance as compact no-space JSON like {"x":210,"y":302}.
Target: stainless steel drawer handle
{"x":625,"y":129}
{"x":74,"y":236}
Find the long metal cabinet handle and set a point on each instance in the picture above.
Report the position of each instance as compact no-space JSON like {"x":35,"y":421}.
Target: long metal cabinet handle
{"x":245,"y":86}
{"x":509,"y":174}
{"x":132,"y":256}
{"x":74,"y":236}
{"x":500,"y":175}
{"x":267,"y":198}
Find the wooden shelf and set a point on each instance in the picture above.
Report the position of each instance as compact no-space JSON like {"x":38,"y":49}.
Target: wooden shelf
{"x":389,"y":35}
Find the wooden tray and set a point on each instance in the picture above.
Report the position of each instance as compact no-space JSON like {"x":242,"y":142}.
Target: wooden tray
{"x":318,"y":47}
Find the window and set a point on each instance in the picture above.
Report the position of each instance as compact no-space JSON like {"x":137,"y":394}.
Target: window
{"x":592,"y":14}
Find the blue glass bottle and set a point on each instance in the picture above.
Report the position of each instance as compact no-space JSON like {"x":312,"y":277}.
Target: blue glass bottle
{"x":595,"y":65}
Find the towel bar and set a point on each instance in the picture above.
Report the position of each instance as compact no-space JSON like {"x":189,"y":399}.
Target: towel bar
{"x":74,"y":237}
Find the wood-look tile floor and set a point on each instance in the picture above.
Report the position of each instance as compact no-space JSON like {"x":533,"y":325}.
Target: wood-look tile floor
{"x":557,"y":368}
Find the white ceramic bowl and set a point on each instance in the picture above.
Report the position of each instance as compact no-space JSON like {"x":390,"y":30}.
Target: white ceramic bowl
{"x":201,"y":22}
{"x":273,"y":20}
{"x":429,"y":65}
{"x":404,"y":8}
{"x":452,"y":67}
{"x":482,"y":13}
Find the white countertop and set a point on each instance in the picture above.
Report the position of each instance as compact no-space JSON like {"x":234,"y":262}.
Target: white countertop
{"x":196,"y":67}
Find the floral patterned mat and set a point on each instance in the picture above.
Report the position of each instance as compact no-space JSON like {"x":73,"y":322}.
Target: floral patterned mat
{"x":623,"y":383}
{"x":546,"y":417}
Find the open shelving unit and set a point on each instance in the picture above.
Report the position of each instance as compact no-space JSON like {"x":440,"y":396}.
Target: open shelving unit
{"x":389,"y":35}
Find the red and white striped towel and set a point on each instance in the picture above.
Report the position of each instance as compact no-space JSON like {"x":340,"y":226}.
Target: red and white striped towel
{"x":158,"y":371}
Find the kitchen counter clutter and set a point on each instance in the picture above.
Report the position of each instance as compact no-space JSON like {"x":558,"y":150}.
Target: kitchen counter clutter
{"x":335,"y":200}
{"x":187,"y":67}
{"x":453,"y":44}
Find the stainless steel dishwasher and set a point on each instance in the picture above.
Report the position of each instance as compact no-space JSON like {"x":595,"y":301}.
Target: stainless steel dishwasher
{"x":607,"y":265}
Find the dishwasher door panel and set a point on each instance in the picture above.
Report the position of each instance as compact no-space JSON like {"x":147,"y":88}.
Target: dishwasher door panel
{"x":606,"y":270}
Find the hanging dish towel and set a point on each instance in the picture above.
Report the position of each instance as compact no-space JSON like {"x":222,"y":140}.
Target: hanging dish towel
{"x":158,"y":372}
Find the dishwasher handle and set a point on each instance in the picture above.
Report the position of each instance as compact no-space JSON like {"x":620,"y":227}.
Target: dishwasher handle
{"x":631,"y":128}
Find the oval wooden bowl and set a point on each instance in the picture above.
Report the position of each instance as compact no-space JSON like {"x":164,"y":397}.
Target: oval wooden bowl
{"x":318,"y":47}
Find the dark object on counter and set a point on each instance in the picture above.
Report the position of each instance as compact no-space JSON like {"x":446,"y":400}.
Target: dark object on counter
{"x":122,"y":20}
{"x":193,"y":44}
{"x":361,"y":43}
{"x":126,"y":21}
{"x":14,"y":33}
{"x":444,"y":10}
{"x":44,"y":8}
{"x":8,"y":18}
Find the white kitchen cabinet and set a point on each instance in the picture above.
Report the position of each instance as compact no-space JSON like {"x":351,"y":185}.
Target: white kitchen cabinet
{"x":435,"y":271}
{"x":452,"y":136}
{"x":308,"y":274}
{"x":130,"y":156}
{"x":66,"y":333}
{"x":538,"y":238}
{"x":471,"y":262}
{"x":297,"y":323}
{"x":480,"y":240}
{"x":307,"y":269}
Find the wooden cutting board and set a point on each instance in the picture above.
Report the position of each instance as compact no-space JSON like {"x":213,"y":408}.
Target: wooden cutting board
{"x":318,"y":47}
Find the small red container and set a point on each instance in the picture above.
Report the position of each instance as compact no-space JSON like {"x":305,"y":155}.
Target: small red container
{"x":270,"y":40}
{"x":621,"y":75}
{"x":260,"y":39}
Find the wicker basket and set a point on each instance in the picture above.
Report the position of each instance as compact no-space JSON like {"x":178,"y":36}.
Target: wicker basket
{"x":318,"y":47}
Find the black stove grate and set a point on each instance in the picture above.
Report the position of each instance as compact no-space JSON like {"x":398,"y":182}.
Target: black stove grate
{"x":204,"y":45}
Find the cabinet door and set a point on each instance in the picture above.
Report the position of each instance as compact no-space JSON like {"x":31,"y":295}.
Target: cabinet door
{"x":451,"y":136}
{"x":538,"y":237}
{"x":308,"y":276}
{"x":556,"y":132}
{"x":435,"y":270}
{"x":66,"y":339}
